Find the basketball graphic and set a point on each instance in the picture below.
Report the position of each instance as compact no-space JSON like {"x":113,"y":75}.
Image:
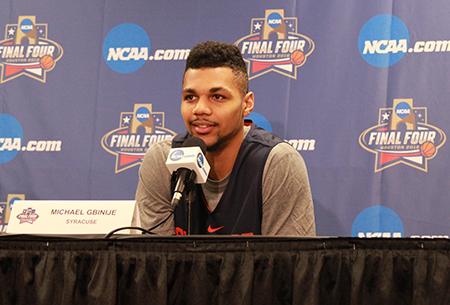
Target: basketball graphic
{"x":428,"y":149}
{"x":47,"y":62}
{"x":297,"y":57}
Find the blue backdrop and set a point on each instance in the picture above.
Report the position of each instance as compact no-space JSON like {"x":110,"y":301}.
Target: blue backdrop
{"x":359,"y":88}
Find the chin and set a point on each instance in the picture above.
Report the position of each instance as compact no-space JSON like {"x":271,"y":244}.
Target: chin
{"x":210,"y":143}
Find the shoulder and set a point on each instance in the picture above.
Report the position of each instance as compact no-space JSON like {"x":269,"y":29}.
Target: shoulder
{"x":153,"y":170}
{"x":155,"y":157}
{"x":158,"y":150}
{"x":284,"y":152}
{"x":261,"y":136}
{"x":284,"y":162}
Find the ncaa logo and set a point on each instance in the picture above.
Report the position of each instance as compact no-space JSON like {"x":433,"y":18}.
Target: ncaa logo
{"x":26,"y":26}
{"x":10,"y":130}
{"x":142,"y":114}
{"x":377,"y":221}
{"x":176,"y":155}
{"x":382,"y":40}
{"x":126,"y":48}
{"x":274,"y":20}
{"x":403,"y":110}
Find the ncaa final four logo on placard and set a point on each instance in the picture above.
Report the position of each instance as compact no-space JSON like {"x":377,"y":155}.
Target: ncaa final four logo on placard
{"x":137,"y":131}
{"x":403,"y":135}
{"x":275,"y":45}
{"x":27,"y":51}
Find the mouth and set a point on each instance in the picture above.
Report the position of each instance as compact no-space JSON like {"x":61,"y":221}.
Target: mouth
{"x":202,"y":127}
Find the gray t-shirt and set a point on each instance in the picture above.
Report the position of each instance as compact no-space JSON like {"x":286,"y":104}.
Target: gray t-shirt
{"x":287,"y":203}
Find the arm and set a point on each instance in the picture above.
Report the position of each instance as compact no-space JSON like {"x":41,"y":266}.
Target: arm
{"x":287,"y":201}
{"x":153,"y":191}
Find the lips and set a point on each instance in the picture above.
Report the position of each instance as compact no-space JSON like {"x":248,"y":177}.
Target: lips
{"x":202,"y":127}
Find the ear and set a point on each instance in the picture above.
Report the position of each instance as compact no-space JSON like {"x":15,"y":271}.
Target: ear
{"x":249,"y":103}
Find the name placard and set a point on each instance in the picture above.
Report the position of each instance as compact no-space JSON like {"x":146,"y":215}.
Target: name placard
{"x":70,"y":216}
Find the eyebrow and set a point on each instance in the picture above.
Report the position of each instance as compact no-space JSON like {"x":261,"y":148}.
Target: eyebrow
{"x":212,"y":90}
{"x":215,"y":89}
{"x":188,"y":90}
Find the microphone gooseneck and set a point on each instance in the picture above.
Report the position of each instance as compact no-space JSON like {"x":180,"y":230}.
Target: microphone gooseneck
{"x":188,"y":165}
{"x":185,"y":178}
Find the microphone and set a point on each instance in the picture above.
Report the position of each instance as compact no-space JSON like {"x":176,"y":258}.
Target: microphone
{"x":189,"y":164}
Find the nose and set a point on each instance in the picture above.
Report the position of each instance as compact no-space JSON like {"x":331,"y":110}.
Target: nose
{"x":202,"y":107}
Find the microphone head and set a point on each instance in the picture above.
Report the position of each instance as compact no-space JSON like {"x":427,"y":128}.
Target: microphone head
{"x":189,"y":154}
{"x":194,"y":141}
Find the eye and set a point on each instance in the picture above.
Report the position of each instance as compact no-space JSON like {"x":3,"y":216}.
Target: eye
{"x":218,"y":97}
{"x":189,"y":97}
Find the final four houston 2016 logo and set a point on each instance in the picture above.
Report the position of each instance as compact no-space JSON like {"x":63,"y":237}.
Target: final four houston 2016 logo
{"x":402,"y":135}
{"x":137,"y":131}
{"x":274,"y":45}
{"x":27,"y":51}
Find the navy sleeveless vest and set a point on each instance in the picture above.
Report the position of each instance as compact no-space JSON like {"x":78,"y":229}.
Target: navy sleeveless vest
{"x":239,"y":211}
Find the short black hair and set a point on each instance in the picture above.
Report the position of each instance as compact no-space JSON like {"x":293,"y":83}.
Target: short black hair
{"x":214,"y":54}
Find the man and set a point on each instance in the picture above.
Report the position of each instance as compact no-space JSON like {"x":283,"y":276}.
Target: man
{"x":258,"y":184}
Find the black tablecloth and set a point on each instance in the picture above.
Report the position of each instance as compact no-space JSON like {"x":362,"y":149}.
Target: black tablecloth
{"x":223,"y":270}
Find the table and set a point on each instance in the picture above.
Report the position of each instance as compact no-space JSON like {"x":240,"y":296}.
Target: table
{"x":222,"y":270}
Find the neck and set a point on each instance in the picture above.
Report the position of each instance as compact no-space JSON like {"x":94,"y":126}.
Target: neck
{"x":222,"y":160}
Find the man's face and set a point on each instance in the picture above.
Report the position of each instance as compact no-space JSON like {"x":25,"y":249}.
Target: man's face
{"x":213,"y":106}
